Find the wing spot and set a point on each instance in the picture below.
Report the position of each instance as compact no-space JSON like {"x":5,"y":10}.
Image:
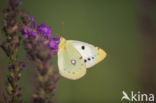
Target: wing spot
{"x":73,"y":62}
{"x":92,"y":57}
{"x":85,"y":60}
{"x":80,"y":57}
{"x":83,"y":47}
{"x":89,"y":59}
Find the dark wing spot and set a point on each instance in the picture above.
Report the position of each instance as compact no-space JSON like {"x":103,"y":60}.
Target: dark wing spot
{"x":88,"y":58}
{"x":80,"y":57}
{"x":92,"y":57}
{"x":83,"y":47}
{"x":85,"y":60}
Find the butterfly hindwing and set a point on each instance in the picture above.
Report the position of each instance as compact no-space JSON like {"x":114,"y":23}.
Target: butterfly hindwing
{"x":70,"y":62}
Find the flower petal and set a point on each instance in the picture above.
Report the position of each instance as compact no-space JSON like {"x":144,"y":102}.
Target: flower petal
{"x":53,"y":45}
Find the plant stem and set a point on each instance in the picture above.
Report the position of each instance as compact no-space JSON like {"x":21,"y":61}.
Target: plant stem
{"x":10,"y":46}
{"x":149,"y":38}
{"x":47,"y":82}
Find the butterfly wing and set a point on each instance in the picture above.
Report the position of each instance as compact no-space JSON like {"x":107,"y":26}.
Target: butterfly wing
{"x":91,"y":54}
{"x":101,"y":55}
{"x":70,"y":62}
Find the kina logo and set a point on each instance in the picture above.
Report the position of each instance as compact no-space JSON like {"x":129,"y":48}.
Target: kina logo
{"x":140,"y":97}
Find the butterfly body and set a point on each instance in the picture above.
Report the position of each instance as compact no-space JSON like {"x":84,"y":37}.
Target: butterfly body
{"x":74,"y":57}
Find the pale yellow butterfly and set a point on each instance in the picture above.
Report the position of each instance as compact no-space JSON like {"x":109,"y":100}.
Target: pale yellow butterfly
{"x":74,"y":57}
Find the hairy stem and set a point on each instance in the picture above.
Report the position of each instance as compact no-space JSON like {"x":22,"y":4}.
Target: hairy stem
{"x":10,"y":46}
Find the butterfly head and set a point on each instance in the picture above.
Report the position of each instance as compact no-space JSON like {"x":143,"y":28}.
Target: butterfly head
{"x":62,"y":43}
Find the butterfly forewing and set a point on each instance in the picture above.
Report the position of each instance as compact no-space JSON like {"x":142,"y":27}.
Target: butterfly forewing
{"x":101,"y":54}
{"x":91,"y":54}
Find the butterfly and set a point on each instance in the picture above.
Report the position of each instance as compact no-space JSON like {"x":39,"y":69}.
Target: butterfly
{"x":74,"y":57}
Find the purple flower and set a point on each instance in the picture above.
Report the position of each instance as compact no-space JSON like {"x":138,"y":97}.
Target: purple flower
{"x":46,"y":31}
{"x":53,"y":45}
{"x":56,"y":39}
{"x":32,"y":30}
{"x":33,"y":22}
{"x":25,"y":36}
{"x":22,"y":65}
{"x":40,"y":30}
{"x":26,"y":33}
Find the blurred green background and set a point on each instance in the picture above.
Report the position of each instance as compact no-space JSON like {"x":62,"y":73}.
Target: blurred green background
{"x":114,"y":25}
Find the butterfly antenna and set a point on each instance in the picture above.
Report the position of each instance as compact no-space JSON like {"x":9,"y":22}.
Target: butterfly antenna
{"x":62,"y":33}
{"x":63,"y":28}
